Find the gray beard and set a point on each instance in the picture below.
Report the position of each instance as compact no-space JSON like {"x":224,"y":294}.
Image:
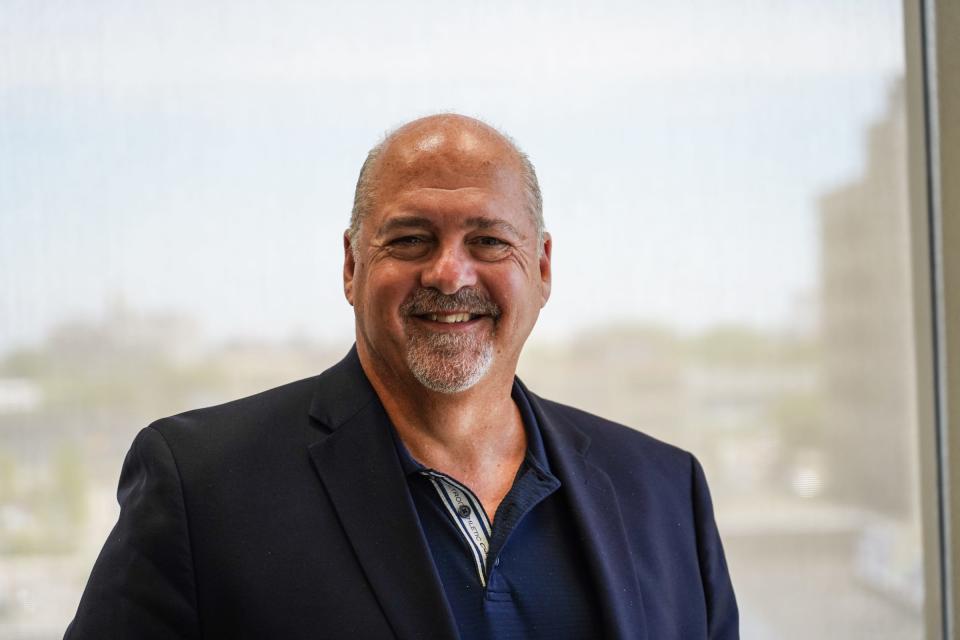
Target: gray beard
{"x":449,"y":362}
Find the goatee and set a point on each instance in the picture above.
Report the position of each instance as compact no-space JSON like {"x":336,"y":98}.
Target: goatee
{"x":448,"y":362}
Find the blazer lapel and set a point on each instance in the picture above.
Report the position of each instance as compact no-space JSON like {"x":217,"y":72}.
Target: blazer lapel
{"x":596,"y":509}
{"x":357,"y":463}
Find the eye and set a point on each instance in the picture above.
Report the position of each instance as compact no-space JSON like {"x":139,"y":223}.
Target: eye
{"x":489,"y":241}
{"x":406,"y":241}
{"x":489,"y":248}
{"x":408,"y":247}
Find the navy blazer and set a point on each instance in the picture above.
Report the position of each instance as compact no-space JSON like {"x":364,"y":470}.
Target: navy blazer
{"x":286,"y":515}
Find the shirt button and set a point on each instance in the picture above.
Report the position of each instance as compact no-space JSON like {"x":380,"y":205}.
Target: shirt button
{"x":496,"y":562}
{"x":463,"y":510}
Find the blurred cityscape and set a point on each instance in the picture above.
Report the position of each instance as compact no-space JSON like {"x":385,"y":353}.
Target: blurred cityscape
{"x":807,"y":433}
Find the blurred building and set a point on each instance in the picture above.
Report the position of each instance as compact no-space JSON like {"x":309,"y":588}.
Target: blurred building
{"x":866,"y":324}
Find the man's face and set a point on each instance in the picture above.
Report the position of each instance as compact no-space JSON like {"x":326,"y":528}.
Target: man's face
{"x":447,"y":282}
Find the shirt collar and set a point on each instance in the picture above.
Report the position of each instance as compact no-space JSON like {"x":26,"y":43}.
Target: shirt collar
{"x":536,"y":454}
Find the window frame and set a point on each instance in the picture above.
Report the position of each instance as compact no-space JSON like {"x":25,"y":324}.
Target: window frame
{"x":933,"y":109}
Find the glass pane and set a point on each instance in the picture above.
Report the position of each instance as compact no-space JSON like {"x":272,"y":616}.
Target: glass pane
{"x":726,"y":188}
{"x":806,"y":425}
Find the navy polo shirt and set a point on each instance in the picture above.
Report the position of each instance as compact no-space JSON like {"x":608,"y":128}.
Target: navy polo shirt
{"x":523,"y":576}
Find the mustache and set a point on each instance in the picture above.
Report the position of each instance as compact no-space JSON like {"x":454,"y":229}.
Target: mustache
{"x":429,"y":300}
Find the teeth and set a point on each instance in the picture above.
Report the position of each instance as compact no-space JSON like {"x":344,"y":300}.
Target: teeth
{"x":449,"y":318}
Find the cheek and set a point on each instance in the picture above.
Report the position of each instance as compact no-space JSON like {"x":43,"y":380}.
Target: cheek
{"x":518,"y":296}
{"x":384,"y":292}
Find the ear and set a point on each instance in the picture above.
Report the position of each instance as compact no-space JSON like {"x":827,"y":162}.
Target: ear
{"x":545,"y":274}
{"x":349,"y":266}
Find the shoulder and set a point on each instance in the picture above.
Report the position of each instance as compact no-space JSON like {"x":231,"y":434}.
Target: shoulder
{"x":621,"y":450}
{"x":607,"y":434}
{"x":269,"y":414}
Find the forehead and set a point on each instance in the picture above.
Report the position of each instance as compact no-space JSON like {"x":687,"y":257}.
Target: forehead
{"x":448,"y":153}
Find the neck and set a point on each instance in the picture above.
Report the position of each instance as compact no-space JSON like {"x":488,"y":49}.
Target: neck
{"x":475,"y":435}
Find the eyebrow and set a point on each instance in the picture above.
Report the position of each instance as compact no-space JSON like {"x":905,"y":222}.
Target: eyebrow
{"x":404,"y":222}
{"x":483,"y":222}
{"x":420,"y":222}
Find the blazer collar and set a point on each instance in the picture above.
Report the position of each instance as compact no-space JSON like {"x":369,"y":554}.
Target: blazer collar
{"x":342,"y":391}
{"x":357,"y":462}
{"x":596,"y":510}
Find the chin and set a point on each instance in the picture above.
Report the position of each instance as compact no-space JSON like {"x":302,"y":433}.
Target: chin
{"x":446,"y":363}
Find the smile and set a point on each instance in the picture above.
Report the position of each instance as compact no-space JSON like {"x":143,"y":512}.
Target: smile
{"x":450,"y":318}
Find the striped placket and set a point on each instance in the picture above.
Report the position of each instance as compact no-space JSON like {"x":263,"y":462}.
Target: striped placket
{"x":467,"y":514}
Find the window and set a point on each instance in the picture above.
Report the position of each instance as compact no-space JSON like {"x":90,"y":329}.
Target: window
{"x":737,"y":194}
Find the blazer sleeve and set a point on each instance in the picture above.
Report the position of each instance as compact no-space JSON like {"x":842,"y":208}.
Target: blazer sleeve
{"x":722,"y":615}
{"x":142,"y":585}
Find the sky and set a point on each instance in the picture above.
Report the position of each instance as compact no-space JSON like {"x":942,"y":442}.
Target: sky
{"x":200,"y":158}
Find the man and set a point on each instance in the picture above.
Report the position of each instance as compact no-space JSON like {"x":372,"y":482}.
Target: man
{"x":417,"y":489}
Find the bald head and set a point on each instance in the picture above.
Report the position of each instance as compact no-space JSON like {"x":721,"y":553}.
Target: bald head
{"x":435,"y":148}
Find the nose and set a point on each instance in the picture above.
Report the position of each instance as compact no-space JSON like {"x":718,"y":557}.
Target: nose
{"x":450,"y":269}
